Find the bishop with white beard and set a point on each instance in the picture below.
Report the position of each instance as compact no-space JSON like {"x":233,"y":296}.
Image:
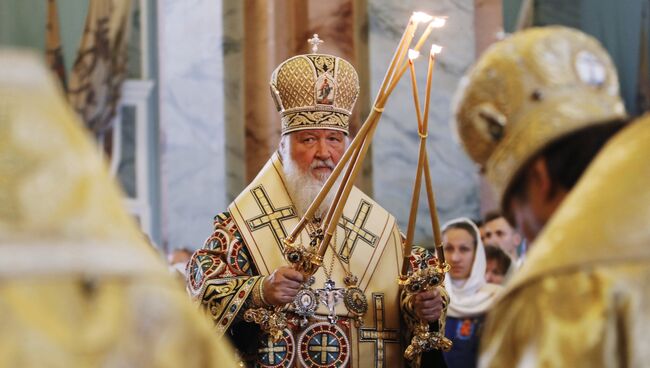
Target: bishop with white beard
{"x":351,"y":313}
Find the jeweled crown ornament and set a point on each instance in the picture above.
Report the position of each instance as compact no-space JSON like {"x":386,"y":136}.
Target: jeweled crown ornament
{"x":315,"y":91}
{"x":529,"y":90}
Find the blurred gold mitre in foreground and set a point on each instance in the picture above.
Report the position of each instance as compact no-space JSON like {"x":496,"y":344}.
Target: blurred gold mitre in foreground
{"x":529,"y":90}
{"x":315,"y":91}
{"x":79,"y":285}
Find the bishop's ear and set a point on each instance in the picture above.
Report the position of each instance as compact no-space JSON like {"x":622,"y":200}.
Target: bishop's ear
{"x":539,"y":181}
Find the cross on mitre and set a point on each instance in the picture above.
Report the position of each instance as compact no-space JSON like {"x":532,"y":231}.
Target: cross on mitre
{"x":315,"y":41}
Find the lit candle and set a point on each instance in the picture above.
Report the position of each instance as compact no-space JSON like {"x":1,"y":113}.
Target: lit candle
{"x":400,"y":52}
{"x":421,"y":17}
{"x":435,"y":49}
{"x":436,"y":22}
{"x":414,"y":54}
{"x":415,"y":198}
{"x":423,"y":162}
{"x":435,"y":223}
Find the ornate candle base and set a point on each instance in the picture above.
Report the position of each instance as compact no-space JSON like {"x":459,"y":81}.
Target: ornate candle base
{"x":304,"y":260}
{"x":271,"y":321}
{"x":424,"y":340}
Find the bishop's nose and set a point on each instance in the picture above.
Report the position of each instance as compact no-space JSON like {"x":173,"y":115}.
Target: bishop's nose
{"x":322,"y":150}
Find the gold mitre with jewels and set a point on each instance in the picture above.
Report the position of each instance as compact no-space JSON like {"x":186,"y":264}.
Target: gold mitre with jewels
{"x":529,"y":90}
{"x":315,"y":91}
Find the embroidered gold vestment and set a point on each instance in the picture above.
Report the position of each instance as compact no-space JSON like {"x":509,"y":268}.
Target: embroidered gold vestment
{"x":79,"y":286}
{"x":582,"y":299}
{"x":247,"y":244}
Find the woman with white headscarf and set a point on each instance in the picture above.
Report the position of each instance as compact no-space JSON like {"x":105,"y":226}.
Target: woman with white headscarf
{"x":470,"y":295}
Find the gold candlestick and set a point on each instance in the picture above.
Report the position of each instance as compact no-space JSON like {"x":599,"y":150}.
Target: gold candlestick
{"x":429,"y":277}
{"x":415,"y":198}
{"x":435,"y":223}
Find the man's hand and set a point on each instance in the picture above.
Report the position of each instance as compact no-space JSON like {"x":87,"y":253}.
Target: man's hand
{"x":428,"y":305}
{"x":282,"y":285}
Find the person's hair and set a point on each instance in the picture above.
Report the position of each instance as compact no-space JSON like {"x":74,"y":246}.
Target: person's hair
{"x":492,"y":215}
{"x":567,"y":158}
{"x":496,"y":253}
{"x":464,"y":226}
{"x":283,"y":146}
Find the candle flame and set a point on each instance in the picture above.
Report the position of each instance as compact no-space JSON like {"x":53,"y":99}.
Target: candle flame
{"x":413,"y":54}
{"x":421,"y":17}
{"x":438,"y":22}
{"x":435,"y":49}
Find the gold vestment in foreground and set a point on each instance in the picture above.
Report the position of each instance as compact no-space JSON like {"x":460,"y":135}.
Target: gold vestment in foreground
{"x":582,"y":299}
{"x":79,"y":286}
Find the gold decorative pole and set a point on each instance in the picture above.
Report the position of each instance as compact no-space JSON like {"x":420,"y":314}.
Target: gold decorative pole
{"x":415,"y":198}
{"x":430,"y":277}
{"x":435,"y":223}
{"x":423,"y":161}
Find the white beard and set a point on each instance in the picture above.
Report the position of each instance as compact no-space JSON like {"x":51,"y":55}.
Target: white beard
{"x":303,"y":187}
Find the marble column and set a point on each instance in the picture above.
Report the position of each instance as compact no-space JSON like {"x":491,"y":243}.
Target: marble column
{"x":234,"y":89}
{"x":272,"y":31}
{"x":396,"y":142}
{"x":192,"y":143}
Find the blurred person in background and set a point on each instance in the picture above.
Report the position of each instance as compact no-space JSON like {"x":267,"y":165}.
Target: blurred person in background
{"x":500,"y":233}
{"x":469,"y":294}
{"x":541,"y":113}
{"x":497,"y":264}
{"x":79,"y":285}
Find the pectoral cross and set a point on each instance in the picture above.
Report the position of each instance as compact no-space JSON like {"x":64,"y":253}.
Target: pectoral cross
{"x":315,"y":41}
{"x":330,"y":296}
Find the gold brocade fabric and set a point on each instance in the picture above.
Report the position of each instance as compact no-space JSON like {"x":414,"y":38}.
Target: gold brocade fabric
{"x":79,"y":286}
{"x":582,"y":299}
{"x":591,"y":317}
{"x":70,"y":321}
{"x":529,"y":90}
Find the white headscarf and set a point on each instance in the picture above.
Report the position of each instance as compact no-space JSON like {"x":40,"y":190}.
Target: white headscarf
{"x":474,"y":296}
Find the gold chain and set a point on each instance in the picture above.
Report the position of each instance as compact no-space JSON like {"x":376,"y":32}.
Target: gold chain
{"x":338,"y":257}
{"x":335,"y":254}
{"x":312,"y":228}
